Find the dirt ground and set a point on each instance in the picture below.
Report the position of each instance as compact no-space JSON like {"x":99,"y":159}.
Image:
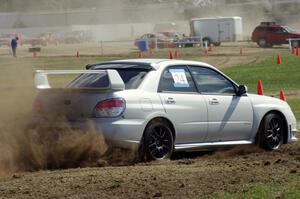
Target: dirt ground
{"x":202,"y":175}
{"x":25,"y":173}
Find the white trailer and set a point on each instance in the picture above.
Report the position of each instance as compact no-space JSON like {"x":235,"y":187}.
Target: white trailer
{"x":218,"y":29}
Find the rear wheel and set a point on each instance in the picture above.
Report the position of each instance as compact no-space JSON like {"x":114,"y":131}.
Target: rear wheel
{"x":262,"y":42}
{"x":158,"y":141}
{"x":271,"y":132}
{"x":206,"y":40}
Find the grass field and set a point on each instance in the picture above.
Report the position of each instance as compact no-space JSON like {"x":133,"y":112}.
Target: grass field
{"x":274,"y":190}
{"x":274,"y":77}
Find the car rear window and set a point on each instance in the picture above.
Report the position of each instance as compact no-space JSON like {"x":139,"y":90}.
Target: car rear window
{"x":131,"y":78}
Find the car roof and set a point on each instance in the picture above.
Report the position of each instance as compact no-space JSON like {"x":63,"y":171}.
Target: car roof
{"x":146,"y":64}
{"x":270,"y":25}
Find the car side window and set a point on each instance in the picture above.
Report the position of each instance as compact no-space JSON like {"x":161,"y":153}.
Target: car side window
{"x":284,"y":30}
{"x":270,"y":29}
{"x":211,"y":81}
{"x":176,"y":79}
{"x":260,"y":29}
{"x":279,"y":30}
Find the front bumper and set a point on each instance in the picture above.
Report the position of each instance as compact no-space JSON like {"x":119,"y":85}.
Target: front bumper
{"x":292,"y":134}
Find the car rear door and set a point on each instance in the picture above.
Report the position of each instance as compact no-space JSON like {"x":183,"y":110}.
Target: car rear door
{"x":230,"y":117}
{"x":183,"y":104}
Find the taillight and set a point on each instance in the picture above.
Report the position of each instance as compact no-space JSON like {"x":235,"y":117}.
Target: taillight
{"x":110,"y":108}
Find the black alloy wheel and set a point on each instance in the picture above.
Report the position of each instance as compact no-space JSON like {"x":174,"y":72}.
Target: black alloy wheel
{"x":158,"y":141}
{"x":271,"y":132}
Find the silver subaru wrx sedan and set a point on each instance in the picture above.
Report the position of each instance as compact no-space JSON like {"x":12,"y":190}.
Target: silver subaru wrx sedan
{"x":164,"y":106}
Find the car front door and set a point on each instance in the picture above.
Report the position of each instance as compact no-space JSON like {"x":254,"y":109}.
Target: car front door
{"x":183,"y":104}
{"x":272,"y":35}
{"x":282,"y":35}
{"x":230,"y":116}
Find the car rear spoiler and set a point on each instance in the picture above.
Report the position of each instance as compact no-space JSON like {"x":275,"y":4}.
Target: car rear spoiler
{"x":115,"y":81}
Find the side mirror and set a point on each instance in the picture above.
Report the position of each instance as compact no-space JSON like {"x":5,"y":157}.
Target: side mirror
{"x":242,"y":89}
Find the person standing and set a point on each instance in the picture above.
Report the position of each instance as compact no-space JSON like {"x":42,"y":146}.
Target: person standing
{"x":14,"y":45}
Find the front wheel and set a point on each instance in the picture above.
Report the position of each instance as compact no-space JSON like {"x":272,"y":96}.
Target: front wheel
{"x":206,"y":40}
{"x":158,"y":141}
{"x":217,"y":43}
{"x":271,"y":132}
{"x":295,"y":44}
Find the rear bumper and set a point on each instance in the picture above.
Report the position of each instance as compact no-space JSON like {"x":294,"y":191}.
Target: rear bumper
{"x":124,"y":133}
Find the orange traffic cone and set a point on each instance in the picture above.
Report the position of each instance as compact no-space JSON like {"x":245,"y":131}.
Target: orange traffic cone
{"x":140,"y":54}
{"x":176,"y":54}
{"x":170,"y":54}
{"x":278,"y":58}
{"x":260,"y":90}
{"x":282,"y":96}
{"x":293,"y":50}
{"x":77,"y":54}
{"x":297,"y":51}
{"x":241,"y":51}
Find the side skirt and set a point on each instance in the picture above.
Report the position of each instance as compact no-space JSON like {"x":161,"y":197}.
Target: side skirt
{"x":210,"y":145}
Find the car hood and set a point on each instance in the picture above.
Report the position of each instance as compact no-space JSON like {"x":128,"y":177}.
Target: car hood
{"x":295,"y":34}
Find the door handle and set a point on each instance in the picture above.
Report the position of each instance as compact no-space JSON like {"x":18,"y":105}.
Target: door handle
{"x":170,"y":100}
{"x":214,"y":101}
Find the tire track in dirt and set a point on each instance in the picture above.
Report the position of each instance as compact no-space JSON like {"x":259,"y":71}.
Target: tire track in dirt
{"x":232,"y":170}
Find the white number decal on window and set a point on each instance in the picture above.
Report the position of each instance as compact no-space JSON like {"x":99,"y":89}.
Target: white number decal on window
{"x":179,"y":78}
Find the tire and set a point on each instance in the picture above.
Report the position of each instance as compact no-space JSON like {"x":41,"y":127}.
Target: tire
{"x":295,"y":44}
{"x":262,"y":42}
{"x":271,"y":132}
{"x":158,"y":142}
{"x":206,"y":39}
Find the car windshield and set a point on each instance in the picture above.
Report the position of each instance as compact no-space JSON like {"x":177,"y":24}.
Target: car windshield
{"x":288,"y":29}
{"x":130,"y":76}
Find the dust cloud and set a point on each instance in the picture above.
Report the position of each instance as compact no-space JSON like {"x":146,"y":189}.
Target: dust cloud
{"x":252,"y":13}
{"x":23,"y":148}
{"x":133,"y":18}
